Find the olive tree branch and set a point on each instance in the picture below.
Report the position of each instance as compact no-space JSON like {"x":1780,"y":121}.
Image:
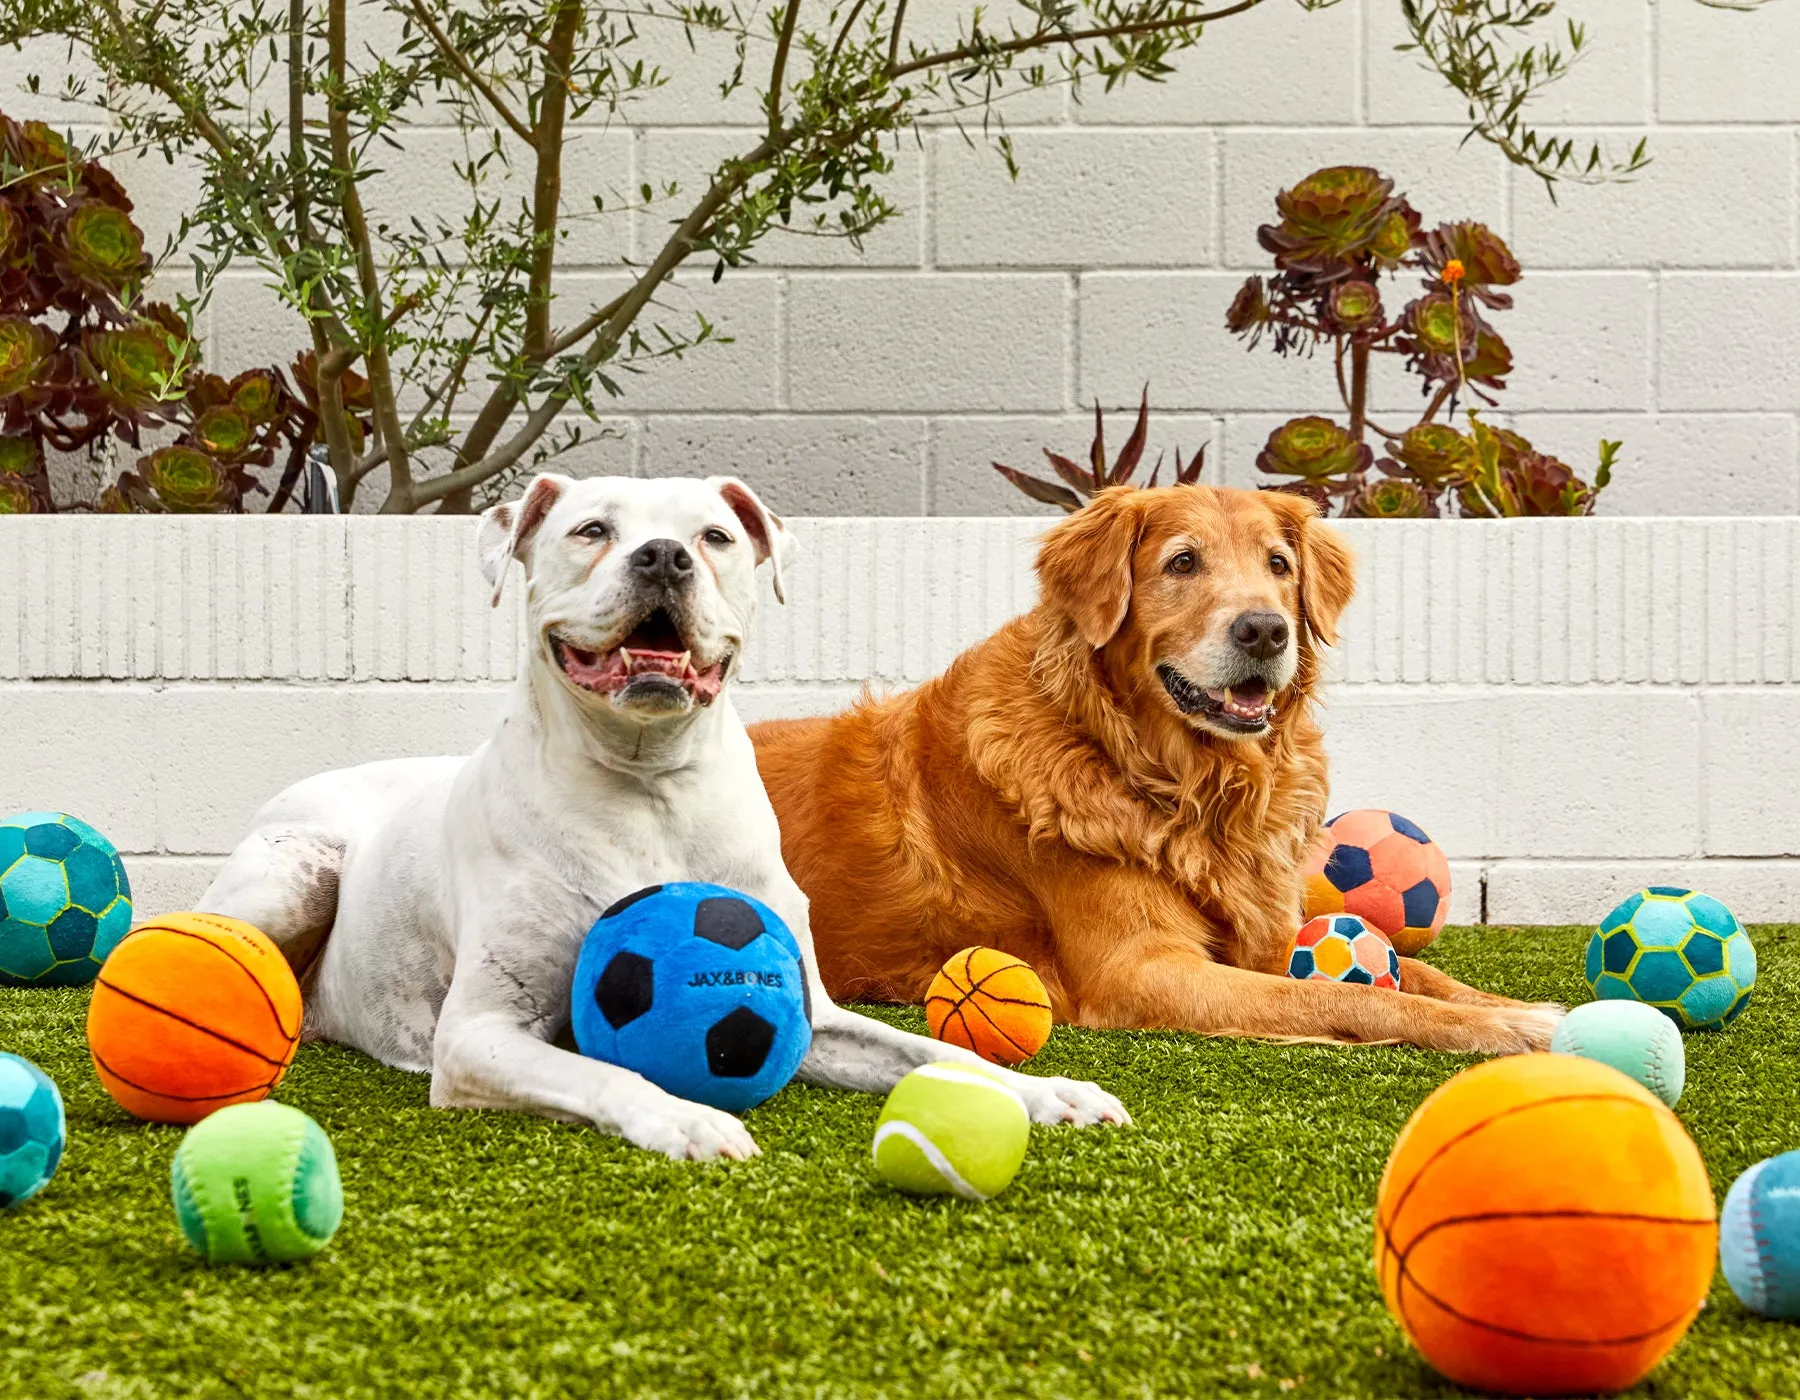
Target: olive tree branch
{"x":679,"y":244}
{"x":471,"y":75}
{"x":778,"y":71}
{"x":1045,"y":38}
{"x":356,"y":227}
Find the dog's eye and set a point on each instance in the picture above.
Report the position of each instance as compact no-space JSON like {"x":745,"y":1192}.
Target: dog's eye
{"x":593,"y":530}
{"x":1278,"y":564}
{"x":716,"y":536}
{"x":1183,"y":563}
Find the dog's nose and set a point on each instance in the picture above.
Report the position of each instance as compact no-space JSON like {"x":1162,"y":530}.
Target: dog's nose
{"x":1260,"y":634}
{"x":662,"y":561}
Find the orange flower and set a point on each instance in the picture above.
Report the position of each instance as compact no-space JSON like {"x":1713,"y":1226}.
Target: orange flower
{"x":1453,"y":272}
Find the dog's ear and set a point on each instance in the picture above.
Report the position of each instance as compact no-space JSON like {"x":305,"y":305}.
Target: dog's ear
{"x":1084,"y":564}
{"x":506,"y":530}
{"x":767,"y":533}
{"x":1327,"y":574}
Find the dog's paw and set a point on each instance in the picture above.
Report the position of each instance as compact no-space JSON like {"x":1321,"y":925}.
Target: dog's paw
{"x":1526,"y":1027}
{"x":689,"y":1132}
{"x":1068,"y":1101}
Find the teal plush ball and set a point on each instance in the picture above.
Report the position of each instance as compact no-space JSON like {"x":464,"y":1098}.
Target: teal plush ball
{"x":32,"y":1129}
{"x":1633,"y":1038}
{"x":64,"y":900}
{"x":1759,"y":1237}
{"x":257,"y":1183}
{"x":1681,"y":952}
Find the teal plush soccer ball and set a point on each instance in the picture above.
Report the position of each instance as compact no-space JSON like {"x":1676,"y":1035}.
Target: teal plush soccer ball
{"x":64,"y":901}
{"x":1683,"y":953}
{"x":32,"y":1129}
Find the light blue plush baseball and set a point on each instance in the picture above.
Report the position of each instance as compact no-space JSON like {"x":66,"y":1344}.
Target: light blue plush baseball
{"x":1759,"y":1237}
{"x":1634,"y":1039}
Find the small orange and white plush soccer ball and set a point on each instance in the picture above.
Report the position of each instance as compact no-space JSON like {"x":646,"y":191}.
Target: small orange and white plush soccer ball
{"x":1342,"y":948}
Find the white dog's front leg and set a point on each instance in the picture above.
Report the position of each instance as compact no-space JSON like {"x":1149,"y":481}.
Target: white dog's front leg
{"x":855,"y":1052}
{"x":484,"y":1057}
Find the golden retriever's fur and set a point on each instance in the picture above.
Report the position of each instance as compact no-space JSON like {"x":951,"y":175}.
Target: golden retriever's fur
{"x":1072,"y":791}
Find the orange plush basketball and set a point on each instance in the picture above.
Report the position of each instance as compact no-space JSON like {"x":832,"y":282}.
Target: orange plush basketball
{"x":190,"y":1013}
{"x":1544,"y":1227}
{"x":989,"y":1002}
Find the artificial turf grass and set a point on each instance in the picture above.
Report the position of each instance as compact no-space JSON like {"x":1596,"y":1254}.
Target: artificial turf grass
{"x":1220,"y":1246}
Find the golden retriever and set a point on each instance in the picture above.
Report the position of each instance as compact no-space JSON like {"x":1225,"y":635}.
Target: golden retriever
{"x":1118,"y":787}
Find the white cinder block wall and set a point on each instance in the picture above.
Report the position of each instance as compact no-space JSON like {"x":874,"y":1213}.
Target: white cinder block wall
{"x":1573,"y":709}
{"x":984,"y":323}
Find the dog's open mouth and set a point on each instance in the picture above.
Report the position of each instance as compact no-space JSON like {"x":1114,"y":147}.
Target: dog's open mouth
{"x":652,"y":659}
{"x":1244,"y":707}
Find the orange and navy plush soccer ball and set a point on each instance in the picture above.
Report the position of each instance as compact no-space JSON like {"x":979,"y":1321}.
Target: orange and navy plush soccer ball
{"x":1342,"y":948}
{"x":1380,"y":867}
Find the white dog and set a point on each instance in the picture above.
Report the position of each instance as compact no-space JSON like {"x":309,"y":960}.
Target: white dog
{"x":436,"y":905}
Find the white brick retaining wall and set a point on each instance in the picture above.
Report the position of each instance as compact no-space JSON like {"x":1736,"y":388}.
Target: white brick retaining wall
{"x":1571,"y":708}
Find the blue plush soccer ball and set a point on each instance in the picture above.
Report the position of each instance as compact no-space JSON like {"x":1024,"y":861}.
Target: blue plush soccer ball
{"x":64,"y":901}
{"x":1683,"y":953}
{"x":699,"y":989}
{"x":32,"y":1129}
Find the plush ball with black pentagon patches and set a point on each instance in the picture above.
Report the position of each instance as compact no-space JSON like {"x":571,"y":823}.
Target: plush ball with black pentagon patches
{"x":698,"y":988}
{"x":1385,"y":870}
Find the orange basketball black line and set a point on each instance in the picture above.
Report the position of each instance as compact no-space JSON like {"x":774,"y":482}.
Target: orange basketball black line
{"x":1406,"y":1276}
{"x":182,"y":1098}
{"x":957,"y":1007}
{"x":117,"y":990}
{"x":255,"y":981}
{"x":1386,"y":1226}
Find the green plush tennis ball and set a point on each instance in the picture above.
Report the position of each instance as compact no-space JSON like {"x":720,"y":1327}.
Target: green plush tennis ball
{"x":257,"y":1183}
{"x":952,"y":1129}
{"x":1633,"y":1038}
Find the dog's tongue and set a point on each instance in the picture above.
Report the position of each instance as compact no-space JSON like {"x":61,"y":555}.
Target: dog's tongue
{"x":1248,"y":702}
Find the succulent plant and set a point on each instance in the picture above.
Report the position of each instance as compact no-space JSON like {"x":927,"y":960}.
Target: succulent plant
{"x":1439,"y":328}
{"x":13,"y":241}
{"x":1436,"y":455}
{"x":17,"y":497}
{"x":183,"y":481}
{"x":1390,"y":498}
{"x":1083,"y":482}
{"x":1248,"y":313}
{"x":20,"y":455}
{"x":1342,"y":230}
{"x":133,"y":368}
{"x":1313,"y":449}
{"x":1397,"y":236}
{"x":1542,"y":485}
{"x":1491,"y":362}
{"x":1355,"y":305}
{"x":1328,"y":220}
{"x":104,"y":248}
{"x":37,"y":153}
{"x":259,"y":396}
{"x":83,"y":358}
{"x":24,"y":347}
{"x":1486,"y":260}
{"x":224,"y":432}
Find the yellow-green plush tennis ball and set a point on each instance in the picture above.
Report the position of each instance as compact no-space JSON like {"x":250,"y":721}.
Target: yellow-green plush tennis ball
{"x":952,"y":1129}
{"x":257,"y":1183}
